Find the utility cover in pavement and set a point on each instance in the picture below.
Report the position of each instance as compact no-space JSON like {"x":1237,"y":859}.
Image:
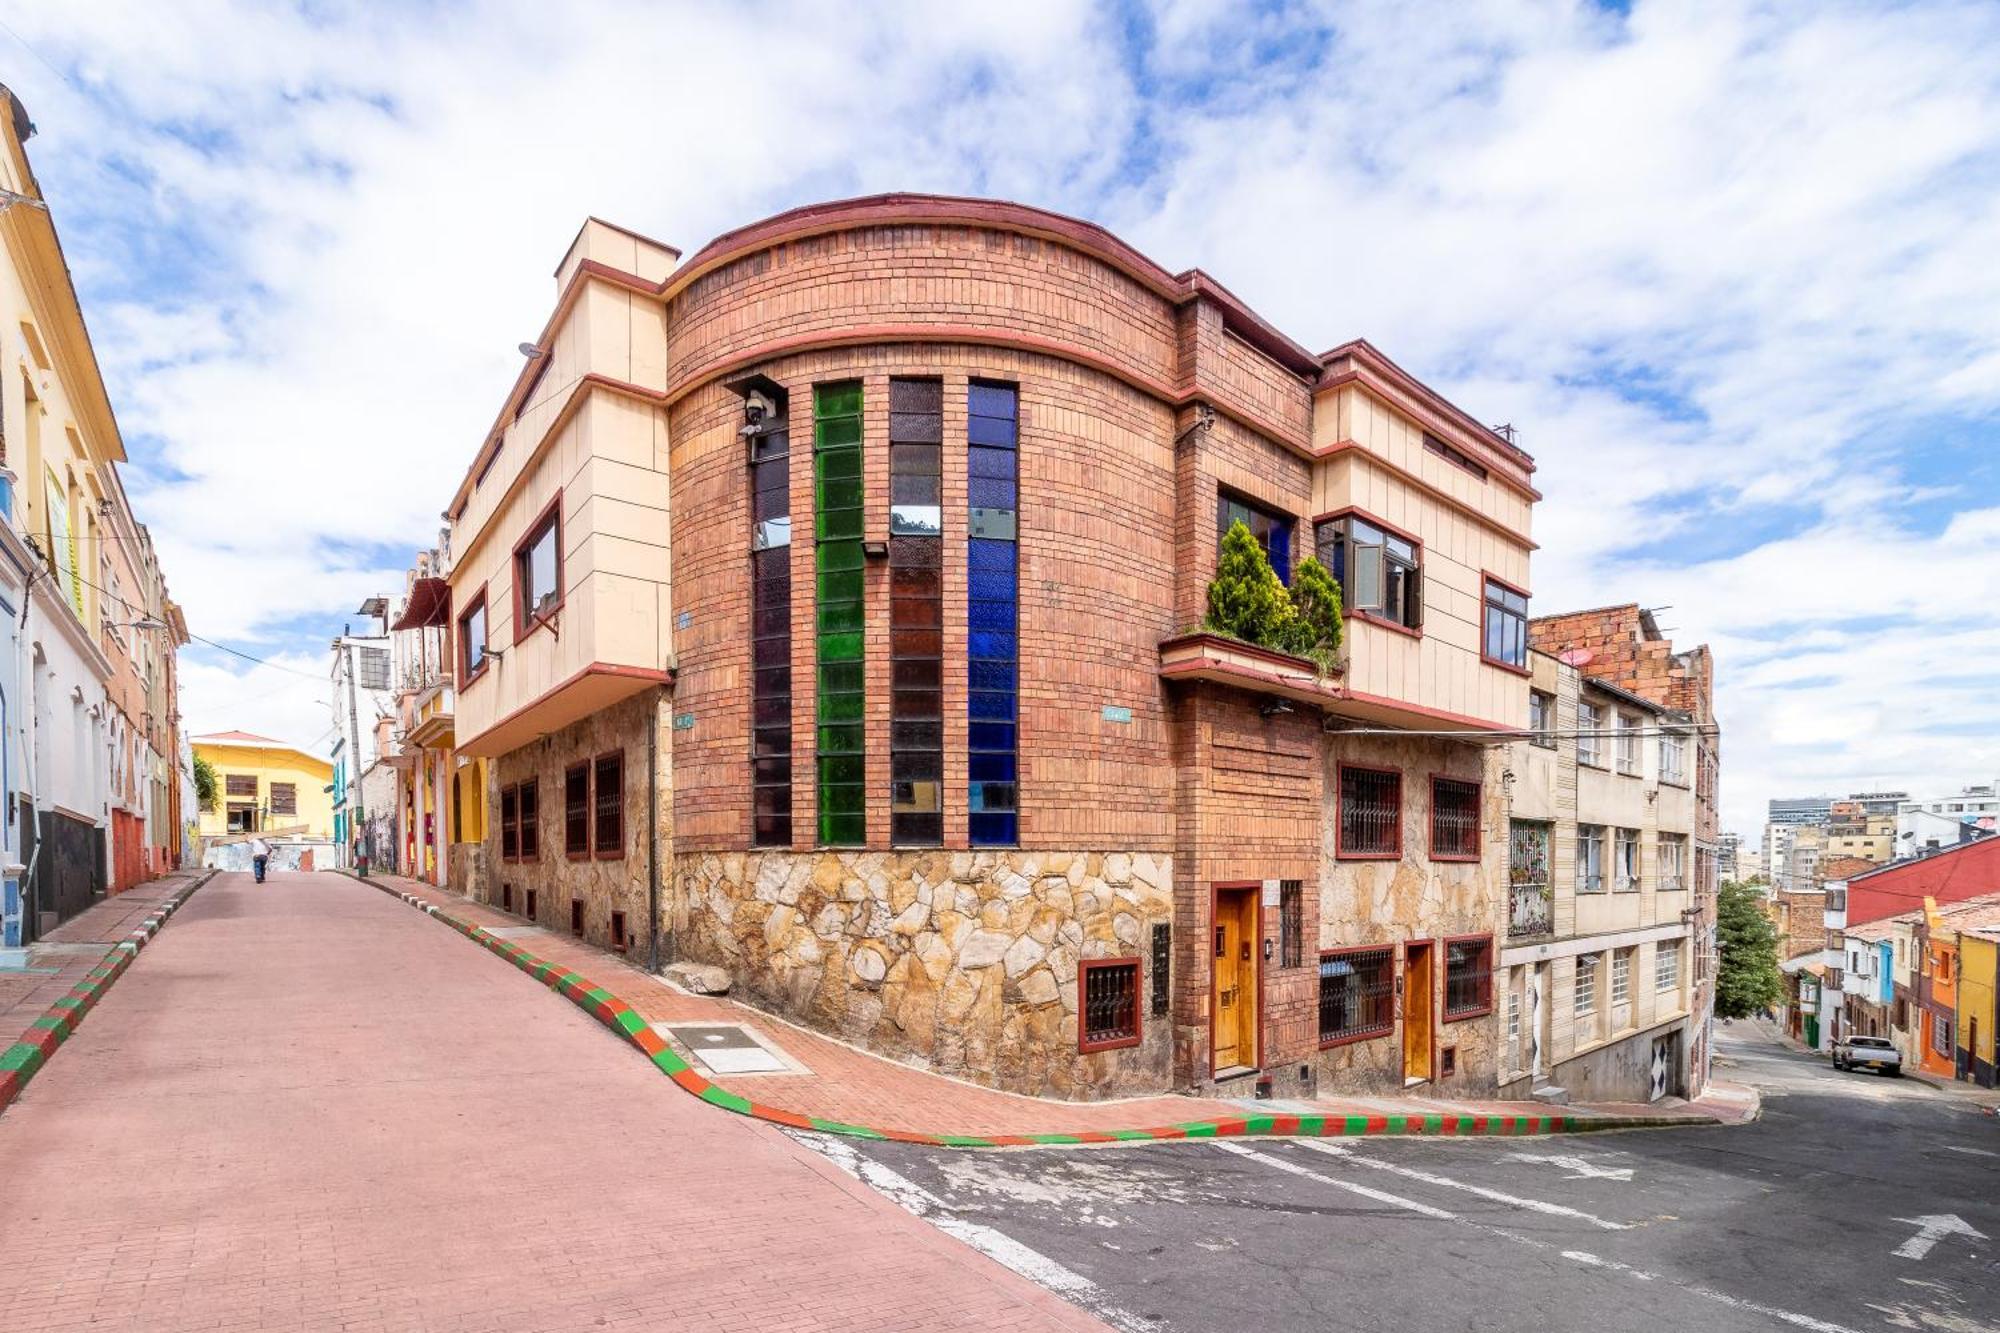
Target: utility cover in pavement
{"x":727,"y":1049}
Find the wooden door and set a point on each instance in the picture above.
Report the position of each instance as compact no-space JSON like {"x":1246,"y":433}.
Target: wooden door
{"x":1234,"y":1002}
{"x":1417,"y":989}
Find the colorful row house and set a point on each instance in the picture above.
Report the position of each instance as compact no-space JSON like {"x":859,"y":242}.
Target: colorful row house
{"x":827,"y":606}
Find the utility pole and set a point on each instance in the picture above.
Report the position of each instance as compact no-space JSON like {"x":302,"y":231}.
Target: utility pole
{"x":357,"y":817}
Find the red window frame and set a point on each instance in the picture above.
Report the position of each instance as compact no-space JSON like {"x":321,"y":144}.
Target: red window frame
{"x":576,"y":848}
{"x":1341,"y":851}
{"x":528,"y":802}
{"x":1386,"y":954}
{"x":1485,"y":1005}
{"x":465,"y":674}
{"x":549,"y":518}
{"x":598,"y":849}
{"x":1478,"y":830}
{"x":1084,"y":1044}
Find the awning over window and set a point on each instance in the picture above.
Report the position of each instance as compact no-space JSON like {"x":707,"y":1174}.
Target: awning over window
{"x":429,"y":605}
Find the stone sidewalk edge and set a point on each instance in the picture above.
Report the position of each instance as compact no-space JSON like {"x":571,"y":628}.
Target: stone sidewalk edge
{"x":616,"y":1015}
{"x":20,"y":1062}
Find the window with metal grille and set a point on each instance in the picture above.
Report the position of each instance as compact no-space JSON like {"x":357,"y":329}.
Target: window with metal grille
{"x":993,"y":629}
{"x":529,"y":800}
{"x":1291,"y":924}
{"x":372,"y":667}
{"x":916,"y":612}
{"x":284,"y":798}
{"x":1621,"y":977}
{"x":1371,"y":812}
{"x":1506,"y":641}
{"x":510,"y":824}
{"x":1468,"y":977}
{"x":576,"y":811}
{"x":608,"y":806}
{"x":1162,"y":956}
{"x":1667,"y":965}
{"x":1272,"y":530}
{"x":1109,"y":1014}
{"x":1357,"y":994}
{"x":239,"y":784}
{"x":1454,"y":820}
{"x":842,"y":690}
{"x":1585,"y":995}
{"x":771,"y":632}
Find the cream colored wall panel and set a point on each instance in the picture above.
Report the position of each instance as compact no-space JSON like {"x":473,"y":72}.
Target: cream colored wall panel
{"x":626,"y":614}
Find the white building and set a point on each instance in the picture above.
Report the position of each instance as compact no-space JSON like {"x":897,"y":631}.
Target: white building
{"x":362,"y":691}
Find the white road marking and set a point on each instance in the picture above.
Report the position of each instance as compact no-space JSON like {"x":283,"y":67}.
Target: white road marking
{"x":1706,"y":1293}
{"x":1974,"y":1152}
{"x":1931,"y":1229}
{"x":1001,"y":1248}
{"x":1379,"y":1196}
{"x":1511,"y":1200}
{"x":1580,"y":1168}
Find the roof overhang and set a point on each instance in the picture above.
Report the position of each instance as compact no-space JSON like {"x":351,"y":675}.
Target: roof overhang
{"x":428,"y":605}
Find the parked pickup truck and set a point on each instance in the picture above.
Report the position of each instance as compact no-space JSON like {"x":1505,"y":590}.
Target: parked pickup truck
{"x":1868,"y":1053}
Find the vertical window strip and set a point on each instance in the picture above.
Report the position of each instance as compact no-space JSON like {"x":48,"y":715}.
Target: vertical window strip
{"x":993,"y":657}
{"x":916,"y":612}
{"x":771,"y":636}
{"x":842,"y":691}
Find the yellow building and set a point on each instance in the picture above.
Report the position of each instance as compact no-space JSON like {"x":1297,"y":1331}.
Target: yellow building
{"x":1978,"y":991}
{"x":265,"y":786}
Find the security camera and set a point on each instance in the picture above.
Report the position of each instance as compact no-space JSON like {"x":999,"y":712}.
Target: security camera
{"x":757,"y":405}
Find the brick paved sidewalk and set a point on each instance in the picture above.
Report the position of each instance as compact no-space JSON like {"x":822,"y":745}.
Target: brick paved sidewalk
{"x":58,"y":962}
{"x":853,"y":1087}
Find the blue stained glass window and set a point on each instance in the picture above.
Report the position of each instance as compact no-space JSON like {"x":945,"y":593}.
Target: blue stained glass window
{"x":993,"y":400}
{"x":990,"y":553}
{"x":991,"y":463}
{"x":991,"y":645}
{"x":993,"y":584}
{"x":993,"y":617}
{"x":991,"y":676}
{"x":992,"y":493}
{"x":992,"y":706}
{"x":992,"y":768}
{"x":995,"y":830}
{"x":993,"y":737}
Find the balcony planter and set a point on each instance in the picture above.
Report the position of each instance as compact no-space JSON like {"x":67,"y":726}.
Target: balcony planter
{"x":1226,"y":661}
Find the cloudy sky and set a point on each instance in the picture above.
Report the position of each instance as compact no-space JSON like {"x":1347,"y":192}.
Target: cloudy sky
{"x":1733,"y":271}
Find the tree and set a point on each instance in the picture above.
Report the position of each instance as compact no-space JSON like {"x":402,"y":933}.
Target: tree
{"x":1245,"y":599}
{"x":1747,"y":979}
{"x":1316,"y":614}
{"x":204,"y":784}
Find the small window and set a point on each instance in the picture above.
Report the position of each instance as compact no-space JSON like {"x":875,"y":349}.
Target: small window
{"x":1586,"y":985}
{"x":608,"y":806}
{"x":1673,"y":759}
{"x":1940,"y":1034}
{"x":1506,"y":641}
{"x":372,"y":667}
{"x":531,"y":825}
{"x":510,"y":824}
{"x":1380,"y":572}
{"x":1626,"y":865}
{"x":1590,"y":858}
{"x":576,"y":811}
{"x":240,"y":784}
{"x":1621,"y":977}
{"x":284,"y":798}
{"x":1542,"y":719}
{"x":1590,"y":735}
{"x":1456,"y":457}
{"x":618,"y":941}
{"x":1628,"y":745}
{"x":576,"y":917}
{"x":1673,"y":862}
{"x":1468,"y":977}
{"x":1291,"y":924}
{"x":1272,"y":530}
{"x":1109,"y":1014}
{"x":1454,"y":820}
{"x":1371,"y":813}
{"x":1356,"y":994}
{"x":1162,"y":957}
{"x":532,"y":913}
{"x":538,"y":571}
{"x":472,"y":657}
{"x":506,"y":897}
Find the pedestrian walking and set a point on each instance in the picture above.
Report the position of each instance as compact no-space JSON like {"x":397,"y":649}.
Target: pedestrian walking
{"x":260,"y":857}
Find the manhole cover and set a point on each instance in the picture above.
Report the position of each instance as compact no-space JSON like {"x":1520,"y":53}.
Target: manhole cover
{"x":726,"y":1048}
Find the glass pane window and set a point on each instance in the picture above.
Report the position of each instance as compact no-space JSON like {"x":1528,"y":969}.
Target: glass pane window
{"x":1380,"y":573}
{"x":1673,"y":863}
{"x":1628,"y":744}
{"x":538,"y":569}
{"x":1468,"y":977}
{"x":1454,"y":819}
{"x":1542,"y":719}
{"x":993,"y":617}
{"x":1590,"y":734}
{"x":1621,"y":977}
{"x":771,"y":632}
{"x":1585,"y":997}
{"x":916,"y":612}
{"x":1506,"y":638}
{"x":1626,"y":865}
{"x":1371,"y":812}
{"x":472,"y":639}
{"x":1667,"y":965}
{"x":1356,"y":994}
{"x":1590,"y":858}
{"x":837,"y":500}
{"x":1272,"y":530}
{"x":1673,"y":759}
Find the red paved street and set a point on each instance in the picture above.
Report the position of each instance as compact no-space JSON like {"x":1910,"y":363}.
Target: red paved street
{"x":308,"y":1107}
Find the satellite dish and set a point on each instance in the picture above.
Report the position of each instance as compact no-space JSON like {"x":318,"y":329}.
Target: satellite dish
{"x":1575,"y":657}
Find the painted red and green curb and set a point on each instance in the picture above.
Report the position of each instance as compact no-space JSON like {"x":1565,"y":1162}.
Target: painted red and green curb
{"x":623,"y":1020}
{"x":20,"y":1062}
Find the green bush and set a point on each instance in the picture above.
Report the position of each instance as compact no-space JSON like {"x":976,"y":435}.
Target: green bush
{"x":1316,"y":614}
{"x":1246,"y":601}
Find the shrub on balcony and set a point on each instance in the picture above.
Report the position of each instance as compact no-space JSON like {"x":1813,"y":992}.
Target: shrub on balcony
{"x":1246,"y":601}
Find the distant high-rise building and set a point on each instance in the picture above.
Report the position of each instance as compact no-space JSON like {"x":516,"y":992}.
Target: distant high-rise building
{"x":1802,"y":810}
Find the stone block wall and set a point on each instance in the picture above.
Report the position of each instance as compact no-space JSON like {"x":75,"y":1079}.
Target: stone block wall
{"x":962,"y":962}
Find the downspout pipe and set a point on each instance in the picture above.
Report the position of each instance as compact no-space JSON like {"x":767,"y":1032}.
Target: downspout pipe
{"x":653,"y":838}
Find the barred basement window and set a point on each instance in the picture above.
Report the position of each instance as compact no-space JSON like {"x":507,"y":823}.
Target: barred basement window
{"x":608,"y":839}
{"x":1454,"y":820}
{"x":1109,"y":1015}
{"x":576,"y":811}
{"x":916,"y":612}
{"x":1356,"y":994}
{"x":618,"y":940}
{"x":993,"y":630}
{"x":842,"y":689}
{"x":1468,"y":977}
{"x":1371,"y":812}
{"x":506,"y":897}
{"x":771,"y":632}
{"x":1162,"y":957}
{"x":1291,"y":924}
{"x":576,"y":917}
{"x":532,"y":914}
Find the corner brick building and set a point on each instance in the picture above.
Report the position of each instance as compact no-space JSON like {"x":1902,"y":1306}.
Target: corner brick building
{"x":826,"y":609}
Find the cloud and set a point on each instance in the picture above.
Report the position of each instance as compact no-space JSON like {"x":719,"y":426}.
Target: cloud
{"x":1721,"y":283}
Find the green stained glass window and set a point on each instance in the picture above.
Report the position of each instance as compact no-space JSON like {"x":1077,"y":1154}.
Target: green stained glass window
{"x":842,"y":696}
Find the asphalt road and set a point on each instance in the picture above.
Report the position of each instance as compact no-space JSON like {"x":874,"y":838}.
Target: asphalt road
{"x":1792,"y":1221}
